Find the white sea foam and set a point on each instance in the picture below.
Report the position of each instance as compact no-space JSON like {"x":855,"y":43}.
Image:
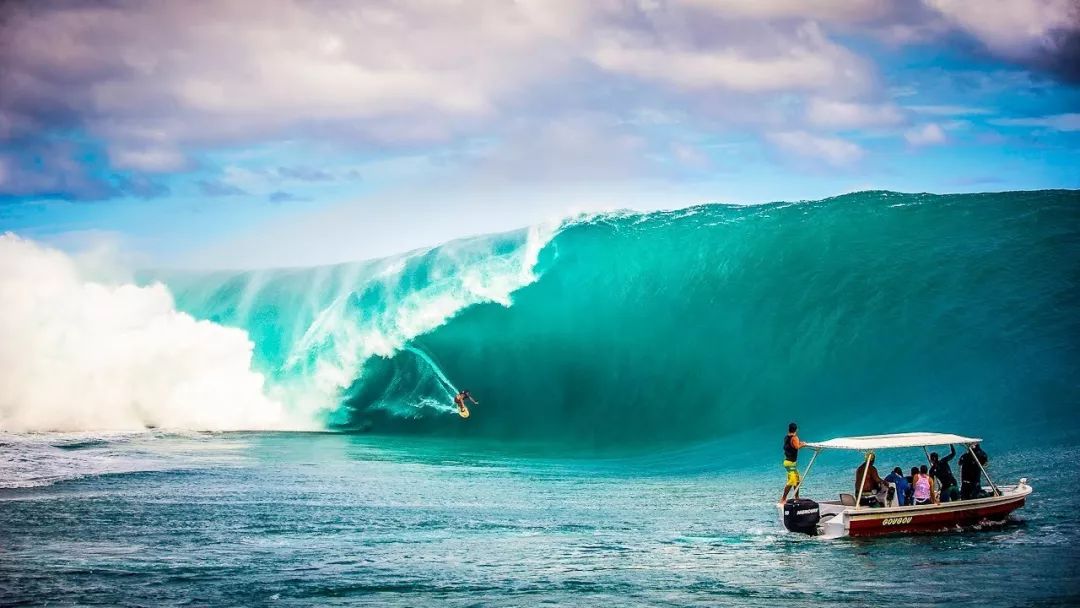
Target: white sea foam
{"x":78,"y":355}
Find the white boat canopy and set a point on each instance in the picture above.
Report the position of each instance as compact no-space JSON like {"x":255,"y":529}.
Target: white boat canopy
{"x":896,"y":440}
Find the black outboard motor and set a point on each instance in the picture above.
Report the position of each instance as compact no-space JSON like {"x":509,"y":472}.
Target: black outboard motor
{"x":801,"y":515}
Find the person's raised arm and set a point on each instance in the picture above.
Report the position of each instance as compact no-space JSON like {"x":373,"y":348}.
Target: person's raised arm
{"x":952,"y":452}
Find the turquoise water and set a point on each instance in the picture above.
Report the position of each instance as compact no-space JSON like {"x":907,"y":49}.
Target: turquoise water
{"x":322,"y":519}
{"x":629,"y":329}
{"x":635,"y":374}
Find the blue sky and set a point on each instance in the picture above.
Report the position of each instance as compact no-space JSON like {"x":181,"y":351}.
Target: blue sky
{"x":286,"y":133}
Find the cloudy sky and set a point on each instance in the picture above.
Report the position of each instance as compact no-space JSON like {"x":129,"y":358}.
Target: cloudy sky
{"x":280,"y":133}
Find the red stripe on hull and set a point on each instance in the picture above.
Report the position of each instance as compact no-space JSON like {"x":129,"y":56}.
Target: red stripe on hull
{"x":932,"y":521}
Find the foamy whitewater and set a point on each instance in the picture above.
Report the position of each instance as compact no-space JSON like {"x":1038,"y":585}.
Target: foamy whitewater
{"x":78,"y":355}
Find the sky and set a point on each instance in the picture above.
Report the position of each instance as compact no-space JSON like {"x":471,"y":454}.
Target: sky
{"x":282,"y":133}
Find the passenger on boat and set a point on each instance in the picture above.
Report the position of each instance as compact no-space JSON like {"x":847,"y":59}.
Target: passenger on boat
{"x":897,"y":478}
{"x":924,"y":487}
{"x":792,"y":443}
{"x":943,"y":473}
{"x":911,"y":485}
{"x":871,"y":484}
{"x":971,"y":472}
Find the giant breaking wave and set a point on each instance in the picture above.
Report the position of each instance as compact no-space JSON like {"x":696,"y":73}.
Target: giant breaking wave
{"x":880,"y":311}
{"x":870,"y":312}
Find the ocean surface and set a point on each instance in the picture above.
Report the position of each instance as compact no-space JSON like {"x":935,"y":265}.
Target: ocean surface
{"x":635,"y":372}
{"x":295,"y":519}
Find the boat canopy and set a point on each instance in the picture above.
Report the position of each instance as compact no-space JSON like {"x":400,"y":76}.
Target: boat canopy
{"x":896,"y":440}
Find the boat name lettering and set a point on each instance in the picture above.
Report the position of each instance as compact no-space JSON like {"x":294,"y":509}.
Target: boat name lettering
{"x":896,"y":521}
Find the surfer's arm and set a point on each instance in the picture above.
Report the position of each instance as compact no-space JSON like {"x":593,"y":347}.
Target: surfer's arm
{"x":473,"y":400}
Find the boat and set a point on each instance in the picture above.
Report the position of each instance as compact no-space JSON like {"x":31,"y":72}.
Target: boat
{"x":850,"y":516}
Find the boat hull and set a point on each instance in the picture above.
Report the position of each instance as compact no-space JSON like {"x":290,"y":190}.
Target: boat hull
{"x":932,"y":518}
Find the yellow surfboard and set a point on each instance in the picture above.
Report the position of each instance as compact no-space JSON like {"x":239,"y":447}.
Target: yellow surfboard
{"x":463,"y":411}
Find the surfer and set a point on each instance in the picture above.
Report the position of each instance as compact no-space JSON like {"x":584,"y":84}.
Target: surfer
{"x":459,"y":401}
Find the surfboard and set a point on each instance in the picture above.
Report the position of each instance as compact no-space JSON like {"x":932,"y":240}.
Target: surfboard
{"x":463,"y":411}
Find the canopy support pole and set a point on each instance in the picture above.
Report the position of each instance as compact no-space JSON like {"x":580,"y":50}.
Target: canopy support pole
{"x":806,"y":472}
{"x":862,"y":482}
{"x":971,"y":451}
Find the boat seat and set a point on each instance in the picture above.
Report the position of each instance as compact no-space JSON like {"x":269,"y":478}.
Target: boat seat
{"x":848,"y":500}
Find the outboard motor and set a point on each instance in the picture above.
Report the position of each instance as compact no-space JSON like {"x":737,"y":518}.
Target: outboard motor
{"x":802,"y":515}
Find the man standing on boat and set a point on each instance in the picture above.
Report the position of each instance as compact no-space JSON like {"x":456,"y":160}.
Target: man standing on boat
{"x":792,"y":443}
{"x":941,"y":470}
{"x":971,"y":463}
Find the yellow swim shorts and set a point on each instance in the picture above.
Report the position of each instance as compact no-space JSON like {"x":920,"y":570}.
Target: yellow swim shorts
{"x":792,"y":473}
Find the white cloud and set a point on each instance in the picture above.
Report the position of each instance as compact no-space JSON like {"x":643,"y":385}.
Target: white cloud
{"x":1014,"y":28}
{"x":844,"y":11}
{"x":1056,"y":122}
{"x":147,"y":159}
{"x":689,"y":155}
{"x":805,"y":61}
{"x":152,"y":83}
{"x":832,"y":151}
{"x":926,"y":135}
{"x":571,"y":149}
{"x":835,"y":114}
{"x":161,"y":72}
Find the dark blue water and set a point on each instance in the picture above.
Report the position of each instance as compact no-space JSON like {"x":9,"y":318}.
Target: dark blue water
{"x":330,"y":519}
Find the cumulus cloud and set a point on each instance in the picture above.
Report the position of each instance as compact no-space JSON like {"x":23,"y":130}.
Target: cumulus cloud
{"x":852,"y":115}
{"x":1042,"y":33}
{"x":855,"y":11}
{"x":147,"y":159}
{"x":152,"y":78}
{"x":832,"y":151}
{"x":926,"y":135}
{"x":155,"y":80}
{"x":807,"y":60}
{"x":143,"y":88}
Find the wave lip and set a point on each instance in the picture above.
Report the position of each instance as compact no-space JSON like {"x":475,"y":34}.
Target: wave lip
{"x":911,"y":311}
{"x":314,"y":329}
